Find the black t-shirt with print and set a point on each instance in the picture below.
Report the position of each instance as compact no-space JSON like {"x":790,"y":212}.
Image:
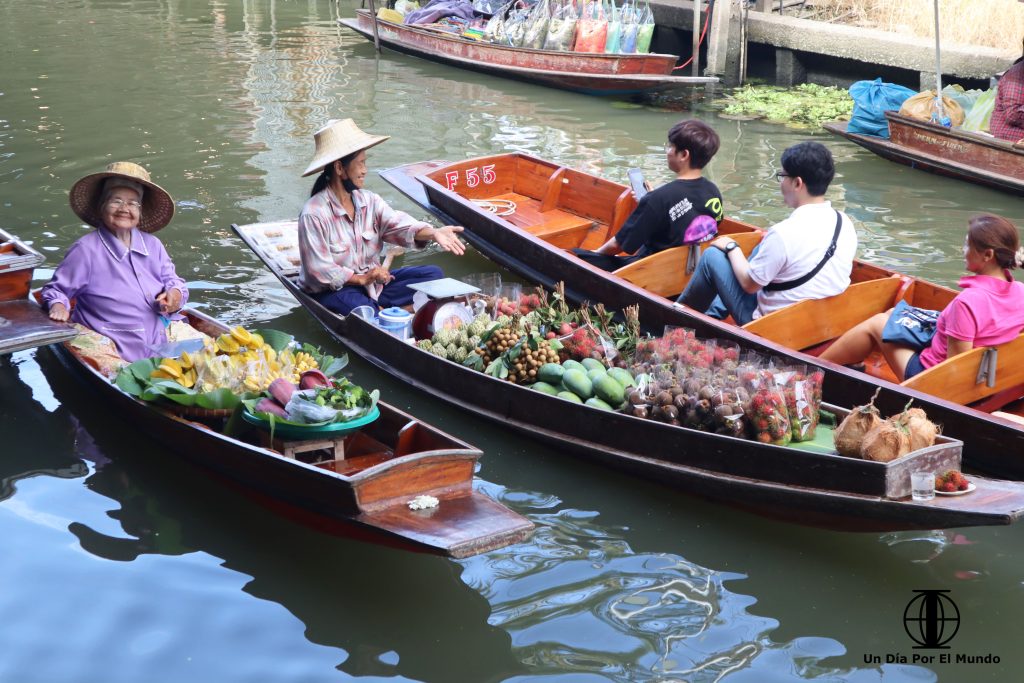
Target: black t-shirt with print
{"x":662,"y":215}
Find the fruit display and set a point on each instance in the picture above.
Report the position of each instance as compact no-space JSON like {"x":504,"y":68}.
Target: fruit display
{"x":238,"y":360}
{"x":850,"y":433}
{"x":865,"y":434}
{"x":316,"y":399}
{"x":457,"y":342}
{"x":951,"y":481}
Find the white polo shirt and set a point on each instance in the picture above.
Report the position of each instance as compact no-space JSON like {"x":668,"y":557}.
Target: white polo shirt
{"x":792,"y":248}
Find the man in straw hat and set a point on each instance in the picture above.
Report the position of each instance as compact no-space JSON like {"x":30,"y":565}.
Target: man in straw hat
{"x":120,"y":276}
{"x":343,"y":228}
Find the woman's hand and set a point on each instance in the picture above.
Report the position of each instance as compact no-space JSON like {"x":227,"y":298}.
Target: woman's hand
{"x":378,"y":274}
{"x":169,"y":301}
{"x":59,"y":312}
{"x":446,"y":239}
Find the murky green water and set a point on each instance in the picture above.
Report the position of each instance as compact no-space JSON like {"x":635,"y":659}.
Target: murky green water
{"x":121,"y":564}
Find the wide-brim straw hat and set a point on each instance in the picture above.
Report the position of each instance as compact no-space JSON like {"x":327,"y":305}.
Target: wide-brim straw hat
{"x":337,"y":140}
{"x":157,"y":205}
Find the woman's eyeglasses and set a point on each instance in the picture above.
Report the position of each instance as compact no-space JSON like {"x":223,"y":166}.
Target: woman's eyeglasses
{"x":120,"y":204}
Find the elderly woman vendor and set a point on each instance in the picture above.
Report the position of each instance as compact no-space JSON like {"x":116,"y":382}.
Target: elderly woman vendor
{"x":343,"y":228}
{"x":120,"y":277}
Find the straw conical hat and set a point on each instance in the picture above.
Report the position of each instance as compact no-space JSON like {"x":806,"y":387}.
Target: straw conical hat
{"x":157,"y":205}
{"x":338,"y":139}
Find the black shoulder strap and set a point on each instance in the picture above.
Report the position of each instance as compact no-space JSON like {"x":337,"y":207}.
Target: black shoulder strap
{"x":792,"y":284}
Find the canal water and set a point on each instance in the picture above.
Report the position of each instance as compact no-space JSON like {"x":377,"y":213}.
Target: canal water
{"x":121,"y":563}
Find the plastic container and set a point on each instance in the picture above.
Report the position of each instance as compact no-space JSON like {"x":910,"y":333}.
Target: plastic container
{"x":397,"y":321}
{"x":367,"y":313}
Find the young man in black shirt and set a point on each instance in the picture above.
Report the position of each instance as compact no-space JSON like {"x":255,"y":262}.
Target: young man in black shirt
{"x":662,"y":216}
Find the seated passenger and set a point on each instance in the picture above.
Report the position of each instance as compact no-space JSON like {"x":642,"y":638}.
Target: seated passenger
{"x":343,"y":228}
{"x":1007,"y":121}
{"x":990,"y":310}
{"x":120,"y":276}
{"x":807,"y":256}
{"x":662,"y":216}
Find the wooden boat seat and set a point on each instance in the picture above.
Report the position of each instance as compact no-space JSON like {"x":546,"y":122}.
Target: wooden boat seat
{"x":958,"y":379}
{"x":555,"y":226}
{"x":812,"y":322}
{"x":664,"y":273}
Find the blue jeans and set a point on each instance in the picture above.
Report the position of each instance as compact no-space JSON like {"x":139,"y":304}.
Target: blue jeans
{"x":715,"y":290}
{"x":395,"y":293}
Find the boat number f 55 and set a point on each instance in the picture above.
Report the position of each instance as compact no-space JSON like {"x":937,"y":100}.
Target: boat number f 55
{"x":473,"y":176}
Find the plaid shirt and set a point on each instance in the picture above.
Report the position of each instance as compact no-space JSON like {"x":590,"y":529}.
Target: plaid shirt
{"x":333,"y":248}
{"x":1008,"y":116}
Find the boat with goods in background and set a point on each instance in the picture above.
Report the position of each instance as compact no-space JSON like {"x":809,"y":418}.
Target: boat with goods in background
{"x":952,"y":152}
{"x":809,"y":486}
{"x":584,"y":72}
{"x":362,"y":481}
{"x":555,"y":209}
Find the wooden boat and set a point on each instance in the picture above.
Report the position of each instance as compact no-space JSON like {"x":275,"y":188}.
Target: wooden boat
{"x":590,"y":73}
{"x":952,"y":152}
{"x":384,"y":465}
{"x":23,"y":325}
{"x":559,"y":208}
{"x":808,"y":487}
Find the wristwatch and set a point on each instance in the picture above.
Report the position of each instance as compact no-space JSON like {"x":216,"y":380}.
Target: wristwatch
{"x":729,"y":247}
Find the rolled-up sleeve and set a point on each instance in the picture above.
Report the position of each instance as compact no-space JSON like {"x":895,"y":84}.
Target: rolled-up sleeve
{"x":70,"y":277}
{"x":315,"y":252}
{"x":168,"y":275}
{"x":396,"y":227}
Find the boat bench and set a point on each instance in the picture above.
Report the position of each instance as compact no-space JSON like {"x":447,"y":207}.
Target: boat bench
{"x":664,"y":273}
{"x":556,"y":227}
{"x":808,"y":323}
{"x":994,"y":374}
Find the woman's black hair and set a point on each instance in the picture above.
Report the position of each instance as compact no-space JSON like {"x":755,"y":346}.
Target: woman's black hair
{"x":324,"y":179}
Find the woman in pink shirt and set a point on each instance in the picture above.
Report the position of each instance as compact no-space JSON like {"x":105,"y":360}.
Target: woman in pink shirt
{"x":989,"y":312}
{"x":122,"y":281}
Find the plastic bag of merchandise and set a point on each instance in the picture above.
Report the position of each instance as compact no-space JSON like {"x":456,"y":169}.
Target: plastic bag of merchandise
{"x":591,"y":29}
{"x":403,"y":7}
{"x":628,"y":30}
{"x":727,"y":405}
{"x":766,"y":412}
{"x":537,"y":27}
{"x":561,"y":28}
{"x":981,"y":113}
{"x":515,"y":27}
{"x":802,"y":389}
{"x":488,"y":7}
{"x":494,"y":30}
{"x":303,"y":408}
{"x":614,"y":15}
{"x":645,"y":30}
{"x":923,"y":107}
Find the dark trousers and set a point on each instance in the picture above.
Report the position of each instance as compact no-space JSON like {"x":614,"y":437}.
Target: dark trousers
{"x":395,"y":293}
{"x":605,"y":261}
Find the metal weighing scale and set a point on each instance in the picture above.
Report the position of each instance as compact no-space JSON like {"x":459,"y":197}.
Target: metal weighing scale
{"x":447,"y":304}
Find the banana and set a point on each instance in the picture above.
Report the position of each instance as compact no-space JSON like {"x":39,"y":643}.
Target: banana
{"x":242,"y":335}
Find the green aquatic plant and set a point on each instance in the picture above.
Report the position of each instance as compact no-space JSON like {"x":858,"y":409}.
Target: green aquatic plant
{"x":804,"y":106}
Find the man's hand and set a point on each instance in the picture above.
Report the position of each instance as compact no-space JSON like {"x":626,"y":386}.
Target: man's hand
{"x":720,"y":241}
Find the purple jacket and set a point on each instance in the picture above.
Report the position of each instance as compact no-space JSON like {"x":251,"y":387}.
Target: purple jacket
{"x":436,"y":10}
{"x":115,"y":289}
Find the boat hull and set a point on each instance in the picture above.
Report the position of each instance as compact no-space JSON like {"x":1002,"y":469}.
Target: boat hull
{"x":956,"y":154}
{"x":992,"y":444}
{"x":374,"y":499}
{"x":593,"y":74}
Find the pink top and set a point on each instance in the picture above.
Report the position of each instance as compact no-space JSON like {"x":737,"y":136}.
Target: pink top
{"x":115,"y":289}
{"x":333,"y":248}
{"x":989,"y":312}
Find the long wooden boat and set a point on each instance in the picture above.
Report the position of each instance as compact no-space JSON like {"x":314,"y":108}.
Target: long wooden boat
{"x":23,"y":325}
{"x":590,"y":73}
{"x":558,"y":208}
{"x":952,"y":152}
{"x":808,"y":487}
{"x":385,"y":465}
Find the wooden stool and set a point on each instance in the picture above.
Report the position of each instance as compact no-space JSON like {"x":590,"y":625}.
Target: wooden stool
{"x":290,"y":448}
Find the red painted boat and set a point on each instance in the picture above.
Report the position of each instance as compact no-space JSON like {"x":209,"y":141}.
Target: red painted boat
{"x":950,"y":152}
{"x":590,"y":73}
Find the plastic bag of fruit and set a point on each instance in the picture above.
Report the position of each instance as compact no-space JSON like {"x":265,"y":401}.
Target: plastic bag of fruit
{"x":766,"y":412}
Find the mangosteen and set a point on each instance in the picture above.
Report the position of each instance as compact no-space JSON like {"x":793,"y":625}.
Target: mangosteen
{"x":681,"y":401}
{"x":723,"y":411}
{"x":636,"y":397}
{"x":707,"y":393}
{"x":670,"y":412}
{"x":640,"y":411}
{"x":664,"y":398}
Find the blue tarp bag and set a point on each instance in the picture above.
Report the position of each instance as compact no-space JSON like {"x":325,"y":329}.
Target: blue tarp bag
{"x":910,"y":326}
{"x":871,"y":99}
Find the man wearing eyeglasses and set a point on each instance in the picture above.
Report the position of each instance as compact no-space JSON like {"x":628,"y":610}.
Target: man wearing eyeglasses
{"x":807,"y":256}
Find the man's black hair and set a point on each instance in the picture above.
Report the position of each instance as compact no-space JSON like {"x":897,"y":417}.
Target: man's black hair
{"x":698,"y":138}
{"x":811,"y":162}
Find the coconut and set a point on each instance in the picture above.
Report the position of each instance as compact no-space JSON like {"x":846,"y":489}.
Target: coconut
{"x":849,"y":435}
{"x":922,"y":430}
{"x":888,"y":441}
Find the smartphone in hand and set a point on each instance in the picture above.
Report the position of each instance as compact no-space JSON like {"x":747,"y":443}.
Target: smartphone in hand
{"x":636,"y":181}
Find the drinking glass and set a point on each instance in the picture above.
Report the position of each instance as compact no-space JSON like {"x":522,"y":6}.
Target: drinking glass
{"x":922,"y":486}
